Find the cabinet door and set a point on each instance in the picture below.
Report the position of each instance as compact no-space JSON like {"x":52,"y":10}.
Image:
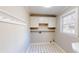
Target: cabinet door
{"x":34,"y":22}
{"x":52,"y":22}
{"x":43,"y":19}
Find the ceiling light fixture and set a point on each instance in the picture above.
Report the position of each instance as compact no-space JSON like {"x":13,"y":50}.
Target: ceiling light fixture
{"x":47,"y":6}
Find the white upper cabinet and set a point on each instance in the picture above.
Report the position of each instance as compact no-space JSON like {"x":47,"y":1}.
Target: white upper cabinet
{"x":52,"y":22}
{"x":36,"y":20}
{"x":43,"y":20}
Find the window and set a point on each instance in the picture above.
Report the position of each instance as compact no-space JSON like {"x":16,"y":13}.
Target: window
{"x":69,"y":23}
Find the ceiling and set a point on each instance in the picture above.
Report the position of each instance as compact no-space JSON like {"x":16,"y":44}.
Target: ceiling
{"x":54,"y":10}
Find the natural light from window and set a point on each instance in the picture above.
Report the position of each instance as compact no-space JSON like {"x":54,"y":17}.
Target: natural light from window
{"x":69,"y":23}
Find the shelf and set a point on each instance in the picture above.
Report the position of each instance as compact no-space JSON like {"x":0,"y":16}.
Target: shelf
{"x":42,"y":31}
{"x":46,"y":30}
{"x":43,"y":24}
{"x":43,"y":27}
{"x":38,"y":27}
{"x":33,"y":27}
{"x":51,"y":27}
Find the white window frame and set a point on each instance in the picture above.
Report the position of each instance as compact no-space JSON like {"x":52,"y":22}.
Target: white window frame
{"x":66,"y":14}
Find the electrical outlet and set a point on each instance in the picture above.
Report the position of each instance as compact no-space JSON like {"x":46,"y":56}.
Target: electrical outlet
{"x":53,"y":40}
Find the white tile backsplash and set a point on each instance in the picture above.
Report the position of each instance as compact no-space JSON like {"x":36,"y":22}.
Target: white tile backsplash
{"x":37,"y":37}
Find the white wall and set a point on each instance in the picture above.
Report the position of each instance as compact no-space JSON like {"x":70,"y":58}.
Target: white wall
{"x":14,"y":38}
{"x":15,"y":11}
{"x":64,"y":40}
